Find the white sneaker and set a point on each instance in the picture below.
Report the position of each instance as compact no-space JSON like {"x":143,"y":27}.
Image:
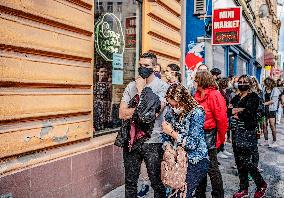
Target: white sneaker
{"x":222,"y":155}
{"x":273,"y":145}
{"x":227,"y":153}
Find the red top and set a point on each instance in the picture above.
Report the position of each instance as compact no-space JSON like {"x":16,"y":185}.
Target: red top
{"x":215,"y":112}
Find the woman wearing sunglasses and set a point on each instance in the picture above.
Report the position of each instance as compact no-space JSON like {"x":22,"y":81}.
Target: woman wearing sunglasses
{"x":243,"y":110}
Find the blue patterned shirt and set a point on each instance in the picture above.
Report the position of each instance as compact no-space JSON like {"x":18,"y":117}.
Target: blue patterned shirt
{"x":190,"y":133}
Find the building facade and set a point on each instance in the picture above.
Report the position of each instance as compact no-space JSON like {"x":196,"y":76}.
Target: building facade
{"x":64,"y":66}
{"x":259,"y":37}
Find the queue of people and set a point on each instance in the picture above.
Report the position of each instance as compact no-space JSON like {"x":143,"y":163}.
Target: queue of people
{"x":164,"y":123}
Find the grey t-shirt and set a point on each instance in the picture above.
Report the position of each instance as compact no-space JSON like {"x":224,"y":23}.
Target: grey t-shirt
{"x":160,"y":88}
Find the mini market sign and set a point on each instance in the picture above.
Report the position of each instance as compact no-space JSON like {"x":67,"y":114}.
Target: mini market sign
{"x":226,"y":26}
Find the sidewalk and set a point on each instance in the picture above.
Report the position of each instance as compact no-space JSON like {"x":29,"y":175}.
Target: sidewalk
{"x":271,"y":161}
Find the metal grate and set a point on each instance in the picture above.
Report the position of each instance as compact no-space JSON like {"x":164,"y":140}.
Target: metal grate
{"x":199,"y":6}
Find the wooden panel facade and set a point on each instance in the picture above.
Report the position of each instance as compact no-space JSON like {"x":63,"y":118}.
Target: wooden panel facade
{"x":161,"y":32}
{"x":46,"y":73}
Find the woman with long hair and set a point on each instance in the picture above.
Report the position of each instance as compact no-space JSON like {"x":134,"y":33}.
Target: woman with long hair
{"x":244,"y":123}
{"x":184,"y":126}
{"x":271,"y":97}
{"x":255,"y":87}
{"x":173,"y":74}
{"x":215,"y":127}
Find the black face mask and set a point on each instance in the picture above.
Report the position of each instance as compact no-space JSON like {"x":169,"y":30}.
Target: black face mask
{"x":243,"y":87}
{"x":145,"y":72}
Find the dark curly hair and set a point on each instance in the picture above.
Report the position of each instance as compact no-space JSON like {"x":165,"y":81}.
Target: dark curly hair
{"x":180,"y":94}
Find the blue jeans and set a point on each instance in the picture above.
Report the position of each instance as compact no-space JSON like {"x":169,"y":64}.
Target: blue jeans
{"x":195,"y":174}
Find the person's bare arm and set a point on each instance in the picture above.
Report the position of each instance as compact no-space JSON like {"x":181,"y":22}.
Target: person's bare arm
{"x":125,"y":112}
{"x":269,"y":102}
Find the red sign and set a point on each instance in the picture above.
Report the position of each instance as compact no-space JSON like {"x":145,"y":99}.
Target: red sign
{"x":130,"y":32}
{"x":226,"y":26}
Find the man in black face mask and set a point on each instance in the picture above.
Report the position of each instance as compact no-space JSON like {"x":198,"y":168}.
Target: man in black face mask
{"x":244,"y":108}
{"x":151,"y":151}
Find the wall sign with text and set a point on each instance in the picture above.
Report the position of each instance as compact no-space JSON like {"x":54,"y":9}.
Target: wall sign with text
{"x":226,"y":26}
{"x":130,"y":32}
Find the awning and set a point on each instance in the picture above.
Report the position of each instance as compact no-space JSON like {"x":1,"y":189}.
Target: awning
{"x":269,"y":58}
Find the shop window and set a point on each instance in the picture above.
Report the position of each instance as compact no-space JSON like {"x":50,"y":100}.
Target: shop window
{"x":116,"y":54}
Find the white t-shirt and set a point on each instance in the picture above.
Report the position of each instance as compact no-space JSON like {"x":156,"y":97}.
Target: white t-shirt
{"x":160,"y":88}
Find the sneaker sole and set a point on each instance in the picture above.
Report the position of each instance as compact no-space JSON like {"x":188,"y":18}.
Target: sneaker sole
{"x":265,"y":192}
{"x":246,"y":196}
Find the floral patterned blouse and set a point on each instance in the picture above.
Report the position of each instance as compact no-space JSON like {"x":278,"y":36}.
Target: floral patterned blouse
{"x":190,"y":133}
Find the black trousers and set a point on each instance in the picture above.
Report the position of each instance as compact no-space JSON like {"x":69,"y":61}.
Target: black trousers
{"x":255,"y":156}
{"x":246,"y":164}
{"x":152,"y":155}
{"x":215,"y":177}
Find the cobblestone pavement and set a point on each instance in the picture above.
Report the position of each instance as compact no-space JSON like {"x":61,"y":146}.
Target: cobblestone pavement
{"x":271,"y":161}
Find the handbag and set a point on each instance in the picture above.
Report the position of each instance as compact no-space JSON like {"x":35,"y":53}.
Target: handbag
{"x":174,"y":170}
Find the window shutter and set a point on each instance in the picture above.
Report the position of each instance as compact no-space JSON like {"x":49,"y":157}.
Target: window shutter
{"x":199,"y":6}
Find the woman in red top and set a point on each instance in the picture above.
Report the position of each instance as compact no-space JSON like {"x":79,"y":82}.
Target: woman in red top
{"x":215,"y":127}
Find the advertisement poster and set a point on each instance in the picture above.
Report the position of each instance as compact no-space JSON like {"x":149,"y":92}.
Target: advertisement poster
{"x":117,"y":61}
{"x":117,"y":77}
{"x":130,"y":33}
{"x":226,"y":26}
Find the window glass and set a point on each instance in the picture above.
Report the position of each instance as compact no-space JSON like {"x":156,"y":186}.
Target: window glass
{"x":117,"y":31}
{"x":259,"y":52}
{"x":219,"y":59}
{"x":232,"y":61}
{"x":242,"y":66}
{"x":246,"y":36}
